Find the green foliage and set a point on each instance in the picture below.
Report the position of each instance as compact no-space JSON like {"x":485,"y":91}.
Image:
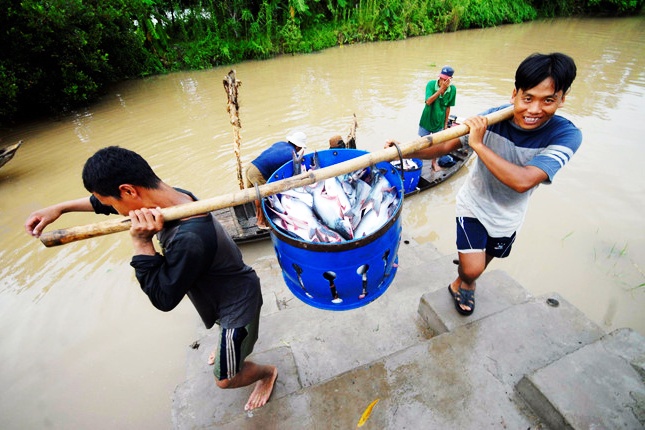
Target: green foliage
{"x":8,"y":92}
{"x":453,"y":15}
{"x":291,"y":37}
{"x":323,"y":37}
{"x":615,"y":7}
{"x":553,"y":8}
{"x":59,"y":54}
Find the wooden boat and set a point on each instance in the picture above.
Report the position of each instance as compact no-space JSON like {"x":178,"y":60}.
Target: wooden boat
{"x":430,"y":178}
{"x":240,"y":223}
{"x":8,"y":152}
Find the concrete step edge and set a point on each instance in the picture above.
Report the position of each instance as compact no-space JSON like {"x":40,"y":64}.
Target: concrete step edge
{"x":592,"y":402}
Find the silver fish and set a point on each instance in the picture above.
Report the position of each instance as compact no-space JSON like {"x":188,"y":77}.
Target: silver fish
{"x":291,"y":224}
{"x":330,"y":212}
{"x":334,"y":189}
{"x":408,"y":164}
{"x":380,"y":186}
{"x":302,"y":193}
{"x":362,"y":191}
{"x":374,"y":219}
{"x":327,"y":235}
{"x":299,"y":219}
{"x":336,"y":209}
{"x":274,"y":202}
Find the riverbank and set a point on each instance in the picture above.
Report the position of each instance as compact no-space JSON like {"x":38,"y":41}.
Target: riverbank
{"x":518,"y":362}
{"x":66,"y":56}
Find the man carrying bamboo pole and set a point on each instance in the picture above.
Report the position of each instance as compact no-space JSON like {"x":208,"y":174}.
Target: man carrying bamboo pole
{"x":513,"y":158}
{"x":200,"y":260}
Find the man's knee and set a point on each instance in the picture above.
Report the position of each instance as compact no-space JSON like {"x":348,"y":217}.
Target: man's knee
{"x":470,"y":272}
{"x":469,"y":277}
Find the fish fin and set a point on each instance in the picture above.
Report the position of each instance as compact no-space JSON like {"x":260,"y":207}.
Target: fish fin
{"x":315,"y":161}
{"x":297,"y":163}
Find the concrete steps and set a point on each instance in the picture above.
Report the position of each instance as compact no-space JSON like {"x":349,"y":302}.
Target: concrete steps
{"x":324,"y":344}
{"x":597,"y":386}
{"x":429,"y":366}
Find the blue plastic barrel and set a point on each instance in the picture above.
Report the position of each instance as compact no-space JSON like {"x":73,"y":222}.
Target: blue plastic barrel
{"x":411,"y":177}
{"x":339,"y":276}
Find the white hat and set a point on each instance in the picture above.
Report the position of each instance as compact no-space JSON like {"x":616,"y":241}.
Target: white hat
{"x":298,"y":138}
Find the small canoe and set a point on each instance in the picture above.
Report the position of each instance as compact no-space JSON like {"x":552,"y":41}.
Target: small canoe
{"x":8,"y":152}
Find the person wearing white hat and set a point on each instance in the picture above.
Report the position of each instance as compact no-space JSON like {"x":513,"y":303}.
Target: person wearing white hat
{"x":270,"y":160}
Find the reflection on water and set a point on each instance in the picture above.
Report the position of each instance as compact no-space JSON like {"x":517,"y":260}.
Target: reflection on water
{"x":73,"y":316}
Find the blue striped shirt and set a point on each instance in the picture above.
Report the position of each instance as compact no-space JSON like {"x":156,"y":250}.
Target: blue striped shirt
{"x":498,"y":207}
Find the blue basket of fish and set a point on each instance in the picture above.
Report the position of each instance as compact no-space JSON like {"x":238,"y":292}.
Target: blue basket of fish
{"x":337,"y":240}
{"x":411,"y":172}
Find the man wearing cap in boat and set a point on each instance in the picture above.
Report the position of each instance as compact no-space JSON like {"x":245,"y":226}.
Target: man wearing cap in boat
{"x":199,"y":260}
{"x":440,"y":96}
{"x":270,"y":160}
{"x":513,"y":158}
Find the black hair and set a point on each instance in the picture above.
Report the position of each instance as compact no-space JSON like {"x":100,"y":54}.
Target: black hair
{"x":113,"y":166}
{"x":537,"y":67}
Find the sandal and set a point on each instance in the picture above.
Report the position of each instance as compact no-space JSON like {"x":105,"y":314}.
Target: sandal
{"x":463,"y":297}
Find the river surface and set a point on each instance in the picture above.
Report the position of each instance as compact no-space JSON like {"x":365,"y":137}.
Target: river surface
{"x":81,"y":347}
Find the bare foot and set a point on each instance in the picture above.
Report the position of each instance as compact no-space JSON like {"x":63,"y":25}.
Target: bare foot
{"x":211,"y":359}
{"x":262,"y":391}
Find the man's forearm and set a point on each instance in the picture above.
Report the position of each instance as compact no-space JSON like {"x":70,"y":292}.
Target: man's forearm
{"x":79,"y":205}
{"x":437,"y":150}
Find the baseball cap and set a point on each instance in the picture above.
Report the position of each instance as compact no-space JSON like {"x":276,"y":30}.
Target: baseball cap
{"x":446,"y":72}
{"x":298,"y":138}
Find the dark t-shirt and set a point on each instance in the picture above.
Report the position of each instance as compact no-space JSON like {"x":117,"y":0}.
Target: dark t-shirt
{"x":199,"y":260}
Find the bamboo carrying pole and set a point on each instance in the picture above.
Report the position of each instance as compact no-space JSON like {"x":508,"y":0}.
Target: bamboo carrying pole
{"x":63,"y":236}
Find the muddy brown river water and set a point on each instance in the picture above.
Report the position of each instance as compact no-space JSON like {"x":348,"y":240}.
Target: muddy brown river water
{"x":81,"y":347}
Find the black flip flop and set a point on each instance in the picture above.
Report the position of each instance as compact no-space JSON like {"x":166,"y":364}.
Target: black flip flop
{"x":465,"y":297}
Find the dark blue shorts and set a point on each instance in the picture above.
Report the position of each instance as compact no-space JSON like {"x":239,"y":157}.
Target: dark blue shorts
{"x":473,"y":237}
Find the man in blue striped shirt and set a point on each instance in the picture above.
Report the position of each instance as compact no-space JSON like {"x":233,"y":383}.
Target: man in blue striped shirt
{"x":513,"y":158}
